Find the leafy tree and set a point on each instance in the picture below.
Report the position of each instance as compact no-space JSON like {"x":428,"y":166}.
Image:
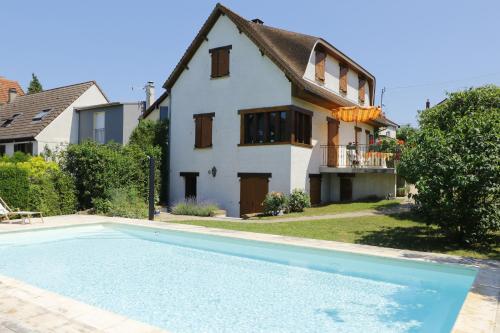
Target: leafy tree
{"x":454,"y":162}
{"x":35,"y":85}
{"x":405,"y":132}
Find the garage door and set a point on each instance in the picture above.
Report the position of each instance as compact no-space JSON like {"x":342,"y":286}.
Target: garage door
{"x":253,"y":190}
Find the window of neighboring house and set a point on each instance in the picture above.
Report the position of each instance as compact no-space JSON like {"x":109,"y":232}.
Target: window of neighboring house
{"x":10,"y":120}
{"x":203,"y":130}
{"x":99,"y":127}
{"x":40,"y":115}
{"x":26,"y":147}
{"x":276,"y":125}
{"x":371,"y":140}
{"x":367,"y":137}
{"x":163,"y":112}
{"x":2,"y":150}
{"x":361,"y":89}
{"x":220,"y":61}
{"x":344,"y":69}
{"x":320,"y":65}
{"x":388,"y":133}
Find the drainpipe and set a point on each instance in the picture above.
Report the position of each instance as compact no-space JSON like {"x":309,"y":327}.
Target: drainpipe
{"x":169,"y":138}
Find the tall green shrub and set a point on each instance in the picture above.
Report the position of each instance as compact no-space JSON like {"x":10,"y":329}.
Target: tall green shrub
{"x":454,"y":162}
{"x":97,"y":169}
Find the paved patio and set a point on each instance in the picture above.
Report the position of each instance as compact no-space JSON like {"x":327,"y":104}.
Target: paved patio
{"x":24,"y":308}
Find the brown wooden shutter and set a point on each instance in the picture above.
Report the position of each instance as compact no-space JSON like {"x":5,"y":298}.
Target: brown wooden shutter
{"x":343,"y":78}
{"x":361,"y":90}
{"x":320,"y":65}
{"x":223,"y":69}
{"x":214,"y":64}
{"x":206,"y":131}
{"x":198,"y":132}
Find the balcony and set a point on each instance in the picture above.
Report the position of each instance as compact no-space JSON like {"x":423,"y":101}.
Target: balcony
{"x":359,"y":158}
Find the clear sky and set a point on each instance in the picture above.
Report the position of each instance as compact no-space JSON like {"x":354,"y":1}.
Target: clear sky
{"x":416,"y":49}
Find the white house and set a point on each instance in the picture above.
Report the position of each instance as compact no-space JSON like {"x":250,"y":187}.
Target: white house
{"x":32,"y":122}
{"x":250,"y":108}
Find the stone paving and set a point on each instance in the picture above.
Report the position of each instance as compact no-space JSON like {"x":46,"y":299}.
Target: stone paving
{"x":24,"y":308}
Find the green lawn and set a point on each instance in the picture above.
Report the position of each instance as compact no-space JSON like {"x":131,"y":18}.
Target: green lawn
{"x":401,"y":231}
{"x":336,"y":208}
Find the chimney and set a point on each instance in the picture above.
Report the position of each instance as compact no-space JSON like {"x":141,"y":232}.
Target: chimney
{"x":427,"y":104}
{"x":258,"y":21}
{"x":12,"y":95}
{"x":150,"y":93}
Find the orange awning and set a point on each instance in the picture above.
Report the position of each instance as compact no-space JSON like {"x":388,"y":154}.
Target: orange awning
{"x":357,"y":113}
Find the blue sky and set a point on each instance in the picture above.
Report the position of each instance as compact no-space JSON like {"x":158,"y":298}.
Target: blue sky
{"x":416,"y":49}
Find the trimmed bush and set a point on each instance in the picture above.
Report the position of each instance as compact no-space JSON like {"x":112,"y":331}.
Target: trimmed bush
{"x":297,"y":201}
{"x":193,"y":208}
{"x":274,"y":203}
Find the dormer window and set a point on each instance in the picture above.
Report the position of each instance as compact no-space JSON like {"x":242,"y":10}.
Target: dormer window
{"x":40,"y":115}
{"x":10,"y":120}
{"x":320,"y":65}
{"x":220,"y":61}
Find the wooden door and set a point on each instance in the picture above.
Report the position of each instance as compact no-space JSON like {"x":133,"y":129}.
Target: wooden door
{"x":315,"y":189}
{"x":345,"y":189}
{"x":253,"y":191}
{"x":333,"y":141}
{"x":190,"y":186}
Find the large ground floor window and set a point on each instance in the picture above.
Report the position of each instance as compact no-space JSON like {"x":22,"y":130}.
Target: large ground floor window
{"x":26,"y":147}
{"x":273,"y":125}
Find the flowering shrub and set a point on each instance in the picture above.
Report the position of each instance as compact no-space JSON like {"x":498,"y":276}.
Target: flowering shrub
{"x":274,"y":203}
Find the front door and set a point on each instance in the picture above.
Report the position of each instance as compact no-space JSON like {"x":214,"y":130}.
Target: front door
{"x":315,"y":188}
{"x":333,"y":142}
{"x":190,"y":186}
{"x":253,"y":191}
{"x":345,"y":189}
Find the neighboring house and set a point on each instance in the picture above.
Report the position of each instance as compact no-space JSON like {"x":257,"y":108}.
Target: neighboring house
{"x":389,"y":130}
{"x":250,"y":110}
{"x":108,"y":122}
{"x":8,"y":90}
{"x":32,"y":122}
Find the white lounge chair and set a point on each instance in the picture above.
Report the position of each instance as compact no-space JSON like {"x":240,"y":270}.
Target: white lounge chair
{"x":6,"y":212}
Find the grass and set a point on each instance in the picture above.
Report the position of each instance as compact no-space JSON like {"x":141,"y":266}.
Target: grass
{"x":398,"y":231}
{"x":336,"y":208}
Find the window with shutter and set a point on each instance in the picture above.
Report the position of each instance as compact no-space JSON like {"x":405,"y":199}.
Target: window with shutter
{"x":320,"y":65}
{"x":203,"y":130}
{"x":343,"y":78}
{"x":361,"y":90}
{"x":220,"y":61}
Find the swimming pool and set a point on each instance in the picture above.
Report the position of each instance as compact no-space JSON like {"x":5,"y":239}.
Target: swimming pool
{"x":187,"y":282}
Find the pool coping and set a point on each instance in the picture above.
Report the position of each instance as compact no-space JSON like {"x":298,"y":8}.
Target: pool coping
{"x":479,"y":313}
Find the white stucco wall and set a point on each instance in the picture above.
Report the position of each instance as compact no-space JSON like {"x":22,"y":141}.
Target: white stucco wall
{"x":155,"y":114}
{"x":64,"y":129}
{"x":332,"y":75}
{"x":254,"y":81}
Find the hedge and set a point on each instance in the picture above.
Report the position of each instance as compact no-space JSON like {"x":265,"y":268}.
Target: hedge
{"x":32,"y":183}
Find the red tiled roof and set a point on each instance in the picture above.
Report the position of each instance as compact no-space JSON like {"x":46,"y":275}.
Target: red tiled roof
{"x":5,"y":85}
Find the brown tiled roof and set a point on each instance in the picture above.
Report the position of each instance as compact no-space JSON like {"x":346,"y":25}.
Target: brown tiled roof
{"x":57,"y":100}
{"x":290,"y":51}
{"x":5,"y":85}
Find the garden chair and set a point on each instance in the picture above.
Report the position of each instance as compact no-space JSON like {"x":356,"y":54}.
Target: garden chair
{"x":6,"y":212}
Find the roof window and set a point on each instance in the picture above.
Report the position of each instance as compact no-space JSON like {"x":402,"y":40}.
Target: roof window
{"x":40,"y":115}
{"x":10,"y":120}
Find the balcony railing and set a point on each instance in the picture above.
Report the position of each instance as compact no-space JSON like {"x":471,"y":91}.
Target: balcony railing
{"x":359,"y":156}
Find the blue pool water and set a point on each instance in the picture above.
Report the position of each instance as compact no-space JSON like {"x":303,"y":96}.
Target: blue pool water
{"x":186,"y":282}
